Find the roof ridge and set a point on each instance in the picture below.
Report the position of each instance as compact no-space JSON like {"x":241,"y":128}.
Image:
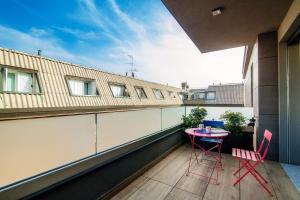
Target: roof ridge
{"x":78,"y":65}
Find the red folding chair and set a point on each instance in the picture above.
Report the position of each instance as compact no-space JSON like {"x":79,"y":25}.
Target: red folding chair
{"x":245,"y":156}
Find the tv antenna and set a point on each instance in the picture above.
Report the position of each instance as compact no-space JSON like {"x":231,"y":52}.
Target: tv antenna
{"x":131,"y":63}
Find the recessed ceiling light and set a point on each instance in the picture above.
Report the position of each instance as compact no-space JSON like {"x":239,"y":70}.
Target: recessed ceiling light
{"x":217,"y":11}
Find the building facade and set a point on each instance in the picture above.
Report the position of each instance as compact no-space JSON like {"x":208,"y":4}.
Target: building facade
{"x":32,"y":85}
{"x":217,"y":95}
{"x":271,"y":61}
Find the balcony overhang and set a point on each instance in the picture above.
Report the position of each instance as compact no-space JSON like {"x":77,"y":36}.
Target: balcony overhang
{"x":238,"y":24}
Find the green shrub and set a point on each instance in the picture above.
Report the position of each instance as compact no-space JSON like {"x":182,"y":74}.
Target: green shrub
{"x":234,"y":121}
{"x":194,"y":118}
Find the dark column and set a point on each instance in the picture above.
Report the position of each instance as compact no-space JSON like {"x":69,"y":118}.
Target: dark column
{"x":267,"y":88}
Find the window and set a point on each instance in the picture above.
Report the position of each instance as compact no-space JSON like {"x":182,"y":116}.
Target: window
{"x":210,"y":95}
{"x":172,"y":94}
{"x":82,"y":87}
{"x":19,"y":81}
{"x":199,"y":95}
{"x":141,"y":92}
{"x":181,"y":96}
{"x":158,"y":94}
{"x":119,"y":90}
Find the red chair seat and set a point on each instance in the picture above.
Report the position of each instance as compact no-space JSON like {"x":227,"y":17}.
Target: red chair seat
{"x":244,"y":154}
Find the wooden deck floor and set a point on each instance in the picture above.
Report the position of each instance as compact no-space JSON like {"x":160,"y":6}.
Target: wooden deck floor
{"x":167,"y":180}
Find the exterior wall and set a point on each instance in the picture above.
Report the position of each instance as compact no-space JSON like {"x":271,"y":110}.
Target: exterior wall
{"x":283,"y":103}
{"x":248,"y":88}
{"x":290,"y":22}
{"x":289,"y":118}
{"x":289,"y":77}
{"x":293,"y":103}
{"x":268,"y":90}
{"x":265,"y":88}
{"x":275,"y":87}
{"x":55,"y":93}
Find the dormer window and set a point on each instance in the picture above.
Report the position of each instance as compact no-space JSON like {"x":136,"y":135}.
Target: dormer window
{"x":119,"y":90}
{"x":141,"y":92}
{"x":82,"y":87}
{"x":172,"y":94}
{"x":158,"y":94}
{"x":13,"y":80}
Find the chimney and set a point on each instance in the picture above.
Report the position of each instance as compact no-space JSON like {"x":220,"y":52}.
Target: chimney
{"x":39,"y":52}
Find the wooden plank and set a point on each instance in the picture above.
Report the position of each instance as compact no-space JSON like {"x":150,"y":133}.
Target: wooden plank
{"x":194,"y":183}
{"x":173,"y":171}
{"x":151,"y":190}
{"x":130,"y":189}
{"x":178,"y":194}
{"x":225,"y":190}
{"x":283,"y":187}
{"x":162,"y":164}
{"x":251,"y":189}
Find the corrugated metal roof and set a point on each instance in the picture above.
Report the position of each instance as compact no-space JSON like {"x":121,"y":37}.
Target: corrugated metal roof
{"x":56,"y":94}
{"x":228,"y":94}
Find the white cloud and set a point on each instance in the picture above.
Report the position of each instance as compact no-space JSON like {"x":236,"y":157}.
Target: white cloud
{"x":169,"y":56}
{"x":134,"y":26}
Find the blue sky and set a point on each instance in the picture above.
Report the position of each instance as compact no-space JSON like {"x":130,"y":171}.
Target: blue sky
{"x":102,"y":33}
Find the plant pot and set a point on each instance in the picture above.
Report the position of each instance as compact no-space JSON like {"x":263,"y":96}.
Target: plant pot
{"x":242,"y":141}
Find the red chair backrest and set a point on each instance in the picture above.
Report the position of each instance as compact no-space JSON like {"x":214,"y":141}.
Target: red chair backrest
{"x":268,"y":137}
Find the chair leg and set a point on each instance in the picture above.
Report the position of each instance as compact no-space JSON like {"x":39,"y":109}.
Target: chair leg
{"x":257,"y":173}
{"x":245,"y":174}
{"x":260,"y":182}
{"x":242,"y":166}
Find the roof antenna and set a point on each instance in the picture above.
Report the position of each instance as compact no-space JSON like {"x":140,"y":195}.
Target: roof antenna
{"x":39,"y":52}
{"x":132,"y":69}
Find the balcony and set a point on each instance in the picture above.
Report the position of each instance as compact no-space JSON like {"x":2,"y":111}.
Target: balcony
{"x":167,"y":180}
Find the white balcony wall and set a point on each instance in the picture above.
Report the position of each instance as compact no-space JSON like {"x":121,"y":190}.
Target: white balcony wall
{"x":172,"y":116}
{"x":32,"y":146}
{"x":29,"y":147}
{"x":114,"y":129}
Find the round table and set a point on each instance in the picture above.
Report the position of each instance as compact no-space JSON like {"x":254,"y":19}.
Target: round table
{"x":216,"y":135}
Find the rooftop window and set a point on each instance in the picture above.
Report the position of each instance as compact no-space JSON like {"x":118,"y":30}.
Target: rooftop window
{"x":172,"y":94}
{"x":158,"y":94}
{"x":82,"y":87}
{"x":119,"y":90}
{"x":210,"y":95}
{"x":19,"y":81}
{"x":199,"y":95}
{"x":141,"y":92}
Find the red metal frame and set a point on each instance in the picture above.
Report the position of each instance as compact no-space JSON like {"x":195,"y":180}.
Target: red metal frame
{"x":207,"y":152}
{"x":245,"y":164}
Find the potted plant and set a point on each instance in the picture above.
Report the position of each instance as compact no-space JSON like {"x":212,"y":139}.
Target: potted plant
{"x":234,"y":123}
{"x":194,"y":118}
